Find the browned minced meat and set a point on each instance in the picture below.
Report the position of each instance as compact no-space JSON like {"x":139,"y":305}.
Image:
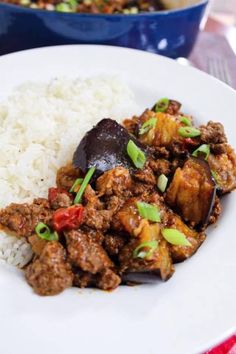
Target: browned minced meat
{"x":89,"y":256}
{"x":85,"y":253}
{"x":37,"y":244}
{"x":97,"y":219}
{"x":174,"y":107}
{"x":62,"y":200}
{"x":132,"y":125}
{"x":213,"y":133}
{"x":113,"y":243}
{"x":160,"y":166}
{"x":66,"y":176}
{"x":50,"y":274}
{"x":114,"y":182}
{"x":21,"y":219}
{"x":160,"y":152}
{"x":106,"y":280}
{"x":91,"y":199}
{"x":146,"y":176}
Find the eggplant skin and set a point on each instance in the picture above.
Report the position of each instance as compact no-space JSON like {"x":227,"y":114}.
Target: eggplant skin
{"x":104,"y":147}
{"x":192,"y":192}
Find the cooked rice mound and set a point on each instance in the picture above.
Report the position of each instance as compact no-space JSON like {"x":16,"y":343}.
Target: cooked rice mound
{"x":40,"y":127}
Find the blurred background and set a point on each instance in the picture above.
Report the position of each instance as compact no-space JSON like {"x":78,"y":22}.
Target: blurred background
{"x":224,"y":11}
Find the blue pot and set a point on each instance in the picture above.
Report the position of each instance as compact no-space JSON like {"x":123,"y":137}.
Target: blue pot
{"x":171,"y":33}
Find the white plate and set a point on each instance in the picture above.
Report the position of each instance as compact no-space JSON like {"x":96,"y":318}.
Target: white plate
{"x":196,"y":308}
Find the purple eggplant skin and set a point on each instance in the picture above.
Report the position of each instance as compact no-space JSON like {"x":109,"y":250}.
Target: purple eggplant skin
{"x":105,"y":147}
{"x":211,"y":180}
{"x":185,"y":198}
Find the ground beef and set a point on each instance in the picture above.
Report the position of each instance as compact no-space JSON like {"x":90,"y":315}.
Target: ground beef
{"x":132,"y":125}
{"x":97,"y":219}
{"x":160,"y":152}
{"x":114,"y":203}
{"x":178,"y":149}
{"x":83,"y":279}
{"x":114,"y":182}
{"x":174,"y":107}
{"x":62,"y":199}
{"x":91,"y":199}
{"x":160,"y":166}
{"x":37,"y":244}
{"x":85,"y":253}
{"x":113,"y":243}
{"x":21,"y":219}
{"x":218,"y":149}
{"x":66,"y":176}
{"x":145,"y":176}
{"x":50,"y":274}
{"x":213,"y":133}
{"x":108,"y":280}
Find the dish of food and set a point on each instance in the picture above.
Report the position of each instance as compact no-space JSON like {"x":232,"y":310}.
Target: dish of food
{"x":131,"y":24}
{"x":132,"y":197}
{"x":98,"y":6}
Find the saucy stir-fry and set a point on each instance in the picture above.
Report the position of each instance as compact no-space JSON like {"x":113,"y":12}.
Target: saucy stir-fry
{"x":93,"y":6}
{"x":135,"y":199}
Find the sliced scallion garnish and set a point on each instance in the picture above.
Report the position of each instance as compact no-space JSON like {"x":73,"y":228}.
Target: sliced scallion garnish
{"x":44,"y":232}
{"x":204,"y":149}
{"x":175,"y":237}
{"x":216,"y":177}
{"x":150,"y":123}
{"x":84,"y":184}
{"x":186,"y":121}
{"x":189,"y":132}
{"x":136,"y":154}
{"x":149,"y":211}
{"x":151,"y":245}
{"x":63,"y":7}
{"x":162,"y":182}
{"x":77,"y":182}
{"x":162,"y":105}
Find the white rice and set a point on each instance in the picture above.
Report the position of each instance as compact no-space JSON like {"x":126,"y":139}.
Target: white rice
{"x":40,"y":127}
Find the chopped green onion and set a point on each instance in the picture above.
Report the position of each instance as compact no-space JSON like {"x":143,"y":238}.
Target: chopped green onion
{"x":84,"y":184}
{"x":43,"y":231}
{"x":136,"y":154}
{"x":149,"y":211}
{"x":63,"y":7}
{"x":152,"y":245}
{"x":150,"y":123}
{"x":175,"y":237}
{"x":162,"y":105}
{"x":189,"y":132}
{"x":77,"y":182}
{"x":162,"y":182}
{"x":186,"y":121}
{"x":73,"y":4}
{"x":203,"y":149}
{"x":216,"y":177}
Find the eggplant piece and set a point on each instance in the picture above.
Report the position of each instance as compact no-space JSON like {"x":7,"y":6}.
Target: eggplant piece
{"x":158,"y":263}
{"x":192,"y":192}
{"x":164,"y":133}
{"x":104,"y":146}
{"x":224,"y":169}
{"x":181,"y":253}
